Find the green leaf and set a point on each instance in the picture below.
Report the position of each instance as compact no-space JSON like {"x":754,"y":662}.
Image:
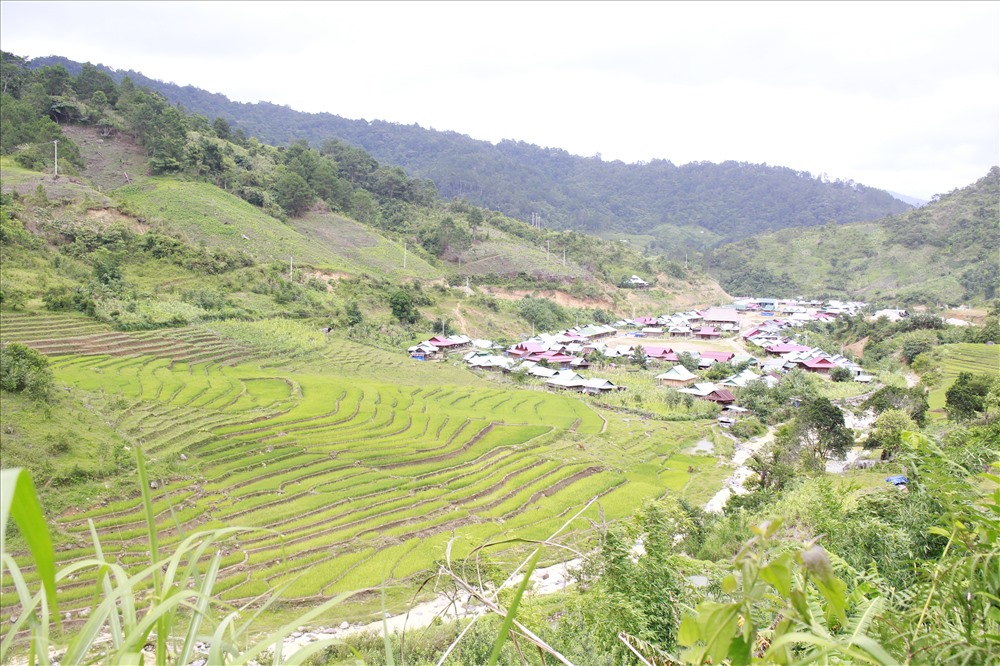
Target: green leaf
{"x":688,"y":633}
{"x":740,"y":652}
{"x":721,"y":630}
{"x":729,"y":584}
{"x":779,"y":574}
{"x":19,"y":501}
{"x":508,"y":620}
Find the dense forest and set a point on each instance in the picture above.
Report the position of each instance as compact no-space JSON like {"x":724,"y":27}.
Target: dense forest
{"x":658,"y":200}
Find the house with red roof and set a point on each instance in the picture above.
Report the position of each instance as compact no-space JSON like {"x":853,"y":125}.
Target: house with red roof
{"x":720,"y":356}
{"x":786,"y":348}
{"x":820,"y":364}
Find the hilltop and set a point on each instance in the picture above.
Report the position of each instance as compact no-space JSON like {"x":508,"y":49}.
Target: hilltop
{"x":658,"y":205}
{"x":942,"y":253}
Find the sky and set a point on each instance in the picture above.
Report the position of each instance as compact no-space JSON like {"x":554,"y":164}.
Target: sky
{"x":903,"y":96}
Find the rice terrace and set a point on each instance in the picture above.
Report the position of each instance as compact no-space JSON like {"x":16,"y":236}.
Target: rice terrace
{"x":358,"y":467}
{"x":286,"y":387}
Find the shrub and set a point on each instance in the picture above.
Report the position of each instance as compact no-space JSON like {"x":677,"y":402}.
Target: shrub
{"x":841,"y":374}
{"x":24,"y":370}
{"x":748,"y":428}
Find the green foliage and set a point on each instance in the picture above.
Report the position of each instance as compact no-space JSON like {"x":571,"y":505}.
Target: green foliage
{"x":293,"y":193}
{"x":403,"y":307}
{"x":748,"y":428}
{"x":913,"y":343}
{"x":818,"y":428}
{"x":967,"y":397}
{"x":639,"y":357}
{"x":929,"y":255}
{"x":783,"y":603}
{"x":723,"y":199}
{"x":353,"y":314}
{"x":911,"y":400}
{"x":118,"y":625}
{"x":887,"y":433}
{"x":543,"y":314}
{"x":22,"y":369}
{"x":640,"y":597}
{"x":841,"y":374}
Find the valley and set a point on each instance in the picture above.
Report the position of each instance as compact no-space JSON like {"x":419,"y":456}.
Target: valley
{"x":331,"y":392}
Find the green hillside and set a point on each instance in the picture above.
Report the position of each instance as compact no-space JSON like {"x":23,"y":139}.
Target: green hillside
{"x":147,"y":306}
{"x":731,"y":199}
{"x":945,"y":252}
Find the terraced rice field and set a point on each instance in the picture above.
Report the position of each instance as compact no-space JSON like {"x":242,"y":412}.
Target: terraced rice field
{"x":975,"y":358}
{"x":346,"y":480}
{"x":71,"y":334}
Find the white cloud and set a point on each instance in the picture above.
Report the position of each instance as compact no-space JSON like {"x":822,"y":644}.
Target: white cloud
{"x":901,"y":96}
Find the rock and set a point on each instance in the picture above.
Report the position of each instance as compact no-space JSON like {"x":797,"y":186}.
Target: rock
{"x":184,"y":456}
{"x":698,"y":581}
{"x":153,"y":485}
{"x":295,"y":634}
{"x":84,"y":613}
{"x":345,"y":625}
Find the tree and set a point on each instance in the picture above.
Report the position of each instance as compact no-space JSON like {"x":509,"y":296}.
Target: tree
{"x":967,"y":396}
{"x":293,"y":193}
{"x":221,"y":128}
{"x":820,"y":428}
{"x":841,"y":374}
{"x":887,"y":434}
{"x":402,"y":306}
{"x":24,"y":370}
{"x":639,"y":357}
{"x":913,"y":401}
{"x":353,"y":313}
{"x":914,"y":343}
{"x":689,"y":362}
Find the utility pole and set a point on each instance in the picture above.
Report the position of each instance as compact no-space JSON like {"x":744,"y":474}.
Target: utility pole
{"x":56,"y":163}
{"x":291,"y":264}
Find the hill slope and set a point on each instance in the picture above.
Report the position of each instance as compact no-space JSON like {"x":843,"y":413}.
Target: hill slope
{"x":944,"y":252}
{"x":729,"y":200}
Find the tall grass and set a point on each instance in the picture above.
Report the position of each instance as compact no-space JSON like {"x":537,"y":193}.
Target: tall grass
{"x":169,"y":601}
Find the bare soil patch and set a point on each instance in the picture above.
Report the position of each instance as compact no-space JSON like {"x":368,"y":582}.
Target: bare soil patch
{"x":559,"y":297}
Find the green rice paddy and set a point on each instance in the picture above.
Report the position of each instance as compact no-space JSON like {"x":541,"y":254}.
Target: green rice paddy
{"x":349,"y":466}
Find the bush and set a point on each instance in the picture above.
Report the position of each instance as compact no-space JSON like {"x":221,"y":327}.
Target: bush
{"x":748,"y":428}
{"x":841,"y":374}
{"x":24,"y":370}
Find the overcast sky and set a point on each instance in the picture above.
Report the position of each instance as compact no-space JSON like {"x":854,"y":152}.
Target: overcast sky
{"x":902,"y":96}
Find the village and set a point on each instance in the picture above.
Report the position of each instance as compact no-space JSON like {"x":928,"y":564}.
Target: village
{"x":761,"y":339}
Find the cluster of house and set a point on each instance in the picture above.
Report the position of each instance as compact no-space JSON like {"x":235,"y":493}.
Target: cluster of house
{"x":786,"y":354}
{"x":558,"y":357}
{"x":709,"y":324}
{"x":798,"y":308}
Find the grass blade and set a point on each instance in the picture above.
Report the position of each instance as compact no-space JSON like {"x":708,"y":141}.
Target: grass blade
{"x":19,"y":501}
{"x":508,"y":619}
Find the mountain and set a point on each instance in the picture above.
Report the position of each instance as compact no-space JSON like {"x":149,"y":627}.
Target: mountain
{"x":945,"y":252}
{"x":913,"y":201}
{"x":661,"y":206}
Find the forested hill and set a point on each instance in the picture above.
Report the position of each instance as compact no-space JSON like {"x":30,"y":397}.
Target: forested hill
{"x":944,"y":252}
{"x":665,"y":204}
